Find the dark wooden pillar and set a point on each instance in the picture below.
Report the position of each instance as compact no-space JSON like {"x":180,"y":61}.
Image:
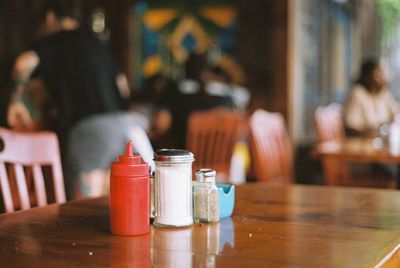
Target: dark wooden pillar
{"x":262,"y":50}
{"x":17,"y":23}
{"x":118,"y":16}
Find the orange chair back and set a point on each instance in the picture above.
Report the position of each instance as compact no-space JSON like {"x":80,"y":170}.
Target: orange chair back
{"x":211,"y":137}
{"x":329,"y":127}
{"x":28,"y":150}
{"x":270,"y":146}
{"x":328,"y":122}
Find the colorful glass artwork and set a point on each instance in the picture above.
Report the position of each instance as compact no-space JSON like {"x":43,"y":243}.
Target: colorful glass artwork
{"x":163,"y":37}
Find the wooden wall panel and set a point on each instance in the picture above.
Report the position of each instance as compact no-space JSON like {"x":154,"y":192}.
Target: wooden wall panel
{"x":118,"y":16}
{"x":262,"y":42}
{"x":15,"y":36}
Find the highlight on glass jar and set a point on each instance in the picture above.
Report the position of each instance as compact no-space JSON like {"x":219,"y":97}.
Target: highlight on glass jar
{"x":205,"y":196}
{"x":173,"y":188}
{"x":152,"y":194}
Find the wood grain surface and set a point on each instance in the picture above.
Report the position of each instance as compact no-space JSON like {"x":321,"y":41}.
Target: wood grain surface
{"x":272,"y":226}
{"x":360,"y":150}
{"x":337,"y":155}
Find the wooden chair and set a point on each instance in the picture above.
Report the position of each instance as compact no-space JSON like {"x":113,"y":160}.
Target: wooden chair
{"x":33,"y":150}
{"x":329,"y":127}
{"x":329,"y":123}
{"x":211,"y":137}
{"x":270,"y":146}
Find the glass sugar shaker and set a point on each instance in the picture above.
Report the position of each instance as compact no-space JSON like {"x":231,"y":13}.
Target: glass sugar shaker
{"x":205,"y":192}
{"x":173,"y":188}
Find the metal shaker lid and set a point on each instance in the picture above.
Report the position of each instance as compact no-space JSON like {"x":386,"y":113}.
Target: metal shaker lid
{"x":173,"y":155}
{"x":205,"y":175}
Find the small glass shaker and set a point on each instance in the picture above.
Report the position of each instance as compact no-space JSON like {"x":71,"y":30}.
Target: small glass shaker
{"x":205,"y":195}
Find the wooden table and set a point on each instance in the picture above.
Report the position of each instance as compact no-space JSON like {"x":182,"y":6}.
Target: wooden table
{"x":350,"y":150}
{"x":272,"y":226}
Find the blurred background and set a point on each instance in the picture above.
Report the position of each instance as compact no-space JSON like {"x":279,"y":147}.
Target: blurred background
{"x":291,"y":55}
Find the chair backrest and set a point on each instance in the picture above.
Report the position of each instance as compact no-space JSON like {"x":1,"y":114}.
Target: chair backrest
{"x":270,"y":147}
{"x":33,"y":150}
{"x":211,"y":137}
{"x":328,"y":122}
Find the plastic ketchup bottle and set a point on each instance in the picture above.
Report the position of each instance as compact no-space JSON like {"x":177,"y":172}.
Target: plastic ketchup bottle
{"x":129,"y":195}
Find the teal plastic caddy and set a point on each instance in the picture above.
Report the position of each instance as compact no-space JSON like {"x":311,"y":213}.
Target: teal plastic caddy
{"x":226,"y":196}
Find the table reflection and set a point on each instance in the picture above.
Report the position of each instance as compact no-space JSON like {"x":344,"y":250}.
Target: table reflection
{"x":206,"y":242}
{"x":172,"y":247}
{"x":197,"y":245}
{"x":226,"y":234}
{"x":132,"y":250}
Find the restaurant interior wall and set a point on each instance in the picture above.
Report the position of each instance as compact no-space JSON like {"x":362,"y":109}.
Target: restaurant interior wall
{"x":389,"y":11}
{"x":261,"y":42}
{"x":329,"y":44}
{"x":328,"y":40}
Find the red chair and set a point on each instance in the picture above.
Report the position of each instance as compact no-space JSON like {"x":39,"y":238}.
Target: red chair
{"x":270,"y":146}
{"x":33,"y":150}
{"x":329,"y":123}
{"x":211,"y":137}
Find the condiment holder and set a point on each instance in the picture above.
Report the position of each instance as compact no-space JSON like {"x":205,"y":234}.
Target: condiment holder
{"x":205,"y":197}
{"x":129,"y":195}
{"x":226,"y":196}
{"x":173,"y":188}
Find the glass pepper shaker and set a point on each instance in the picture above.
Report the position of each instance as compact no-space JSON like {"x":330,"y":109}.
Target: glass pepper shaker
{"x":205,"y":193}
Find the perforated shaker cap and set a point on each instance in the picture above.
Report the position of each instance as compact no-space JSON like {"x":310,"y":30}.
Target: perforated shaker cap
{"x":173,"y":156}
{"x":205,"y":175}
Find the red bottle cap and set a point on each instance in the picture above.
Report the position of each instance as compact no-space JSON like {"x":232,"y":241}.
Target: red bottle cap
{"x":129,"y":164}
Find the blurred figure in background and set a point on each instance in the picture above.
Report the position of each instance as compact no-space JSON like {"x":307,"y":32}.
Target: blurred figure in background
{"x":68,"y":83}
{"x":370,"y":104}
{"x":193,"y":97}
{"x":154,"y":100}
{"x":218,"y":83}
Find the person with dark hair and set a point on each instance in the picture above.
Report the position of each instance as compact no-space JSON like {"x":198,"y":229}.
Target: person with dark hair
{"x":370,"y":104}
{"x":155,"y":98}
{"x":68,"y":83}
{"x":194,"y":69}
{"x":68,"y":71}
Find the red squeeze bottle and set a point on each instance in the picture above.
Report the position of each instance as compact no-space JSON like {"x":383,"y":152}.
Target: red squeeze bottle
{"x":129,"y":195}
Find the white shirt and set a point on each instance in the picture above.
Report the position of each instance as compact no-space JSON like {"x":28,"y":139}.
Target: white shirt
{"x":364,"y":111}
{"x":188,"y":86}
{"x":240,"y":95}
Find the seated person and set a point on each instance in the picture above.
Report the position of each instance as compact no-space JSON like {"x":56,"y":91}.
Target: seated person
{"x":152,"y":101}
{"x":68,"y":83}
{"x":217,"y":83}
{"x":370,"y":104}
{"x":193,"y":97}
